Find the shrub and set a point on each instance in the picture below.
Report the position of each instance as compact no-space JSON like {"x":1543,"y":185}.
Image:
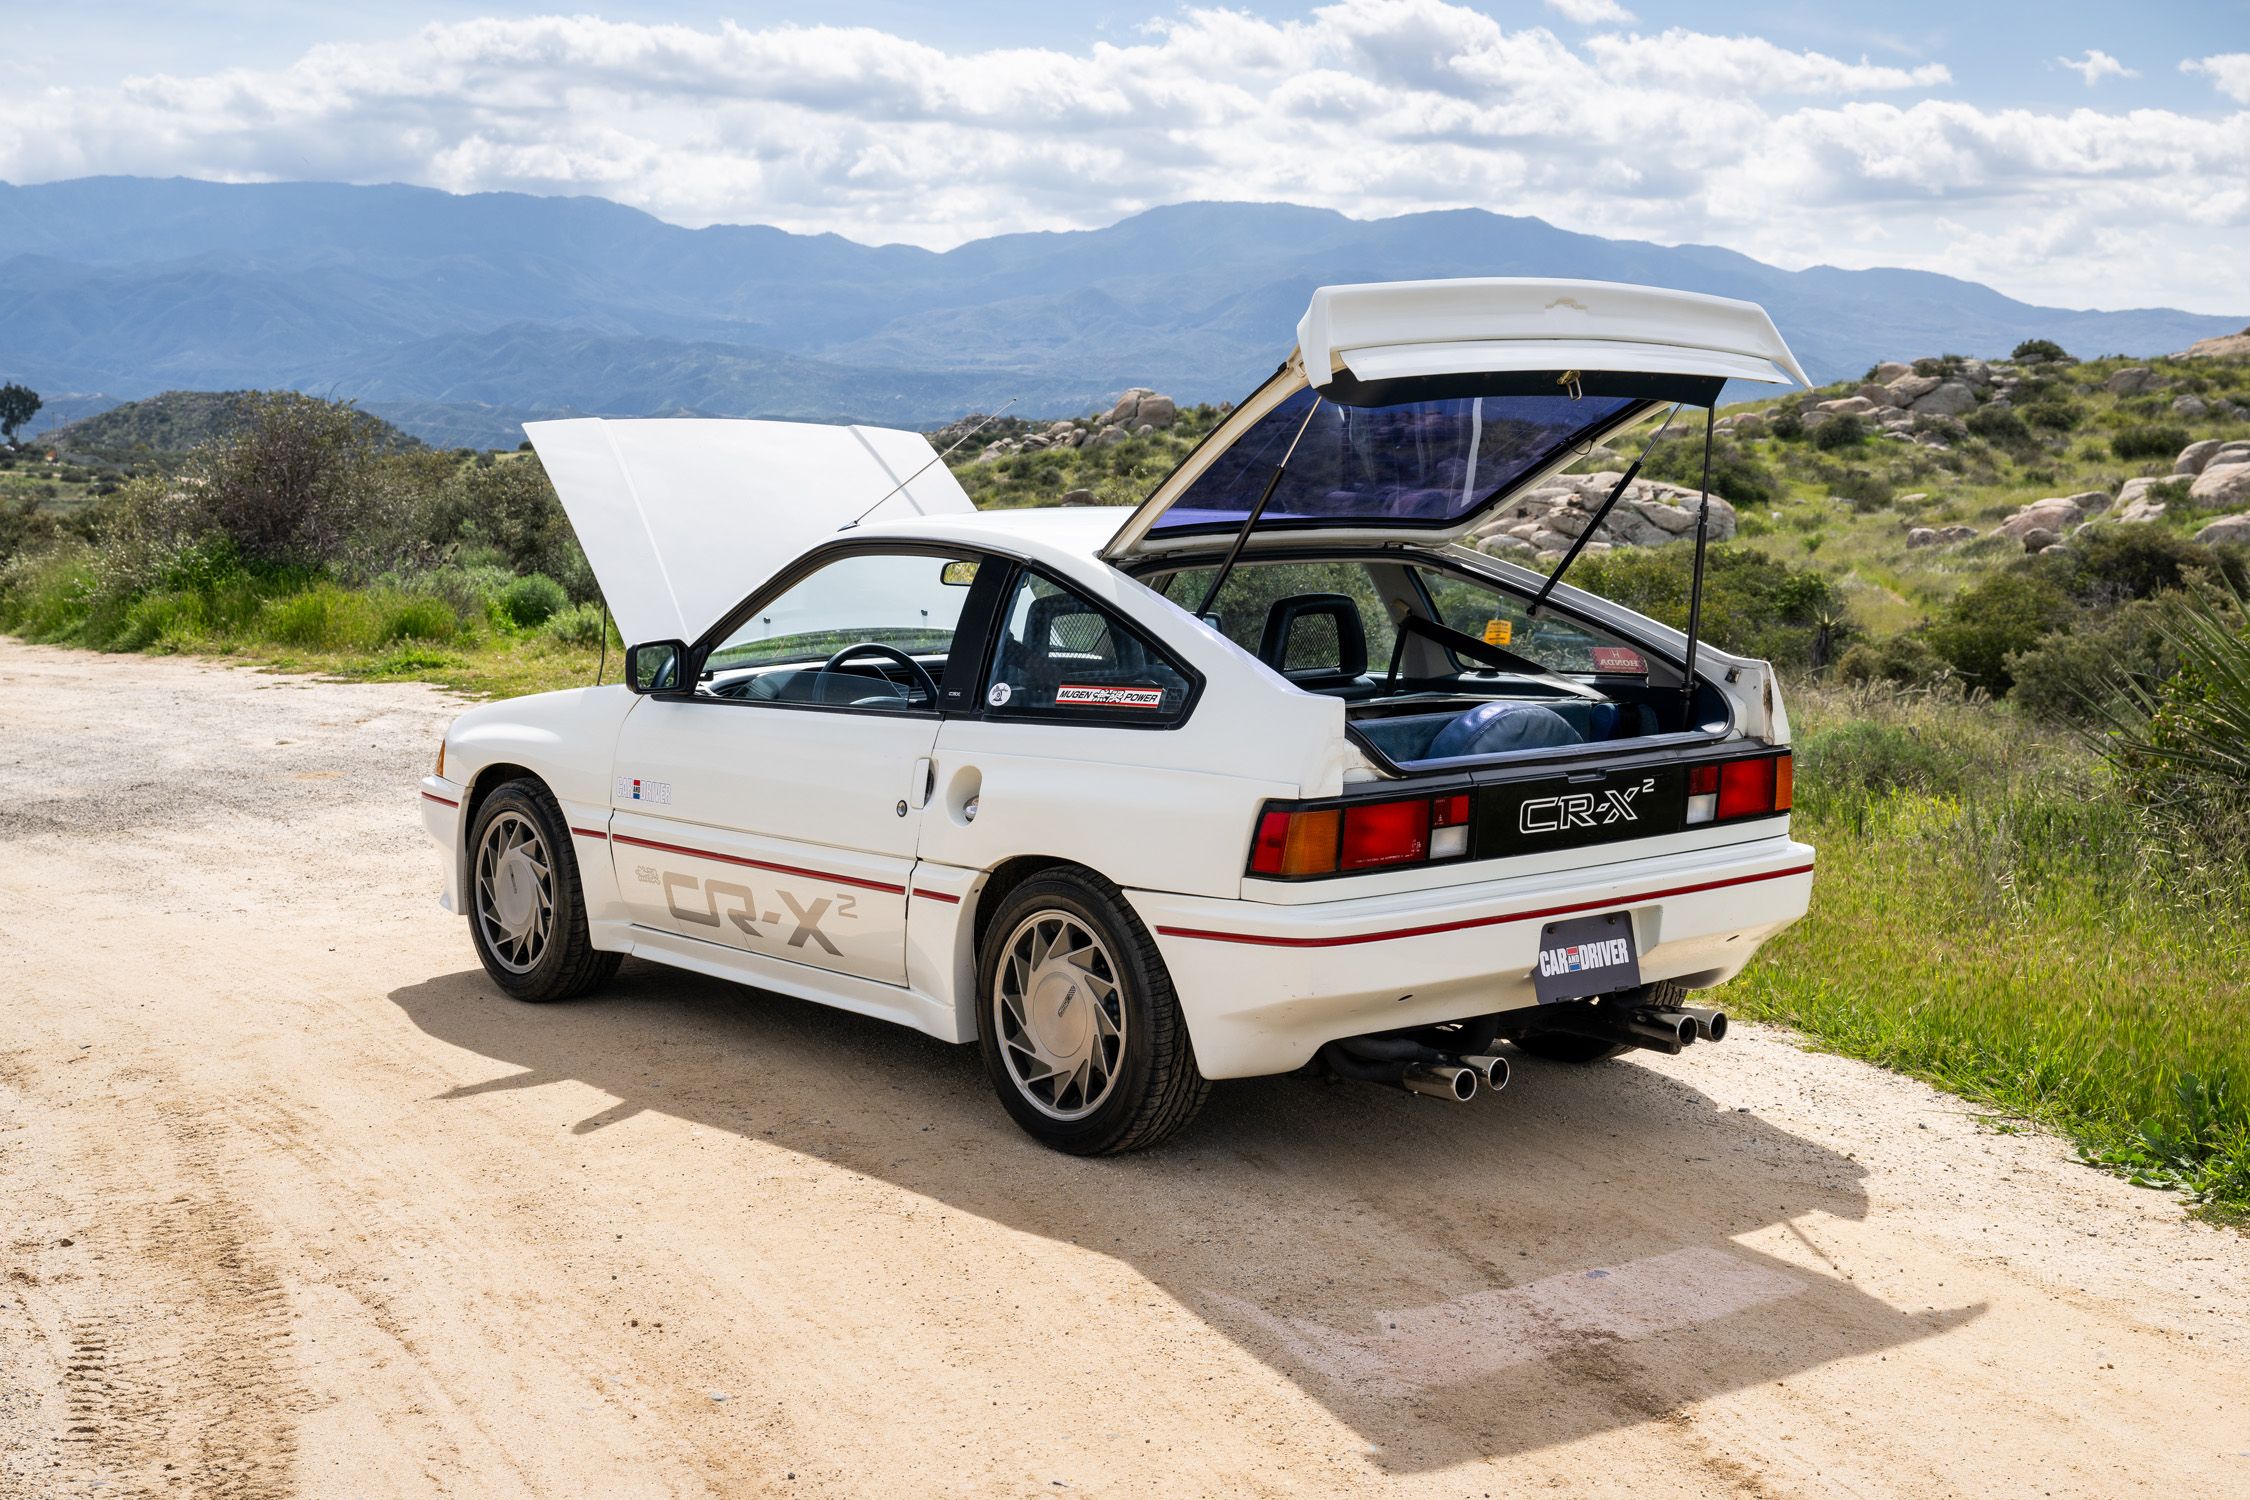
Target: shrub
{"x":2038,"y":351}
{"x":1786,"y":423}
{"x":1845,"y":431}
{"x":579,"y":625}
{"x":2069,"y":676}
{"x":2002,"y":428}
{"x":1906,"y":660}
{"x":530,"y":602}
{"x":2054,"y":416}
{"x":1736,"y":473}
{"x":2184,"y":743}
{"x":2148,"y":442}
{"x":1752,"y":604}
{"x":509,"y":511}
{"x":1999,"y":616}
{"x":2109,"y":565}
{"x":414,"y":617}
{"x":292,"y":484}
{"x":1865,"y":489}
{"x":322,"y":618}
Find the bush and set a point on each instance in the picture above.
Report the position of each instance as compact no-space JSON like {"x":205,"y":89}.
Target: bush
{"x":2054,"y":416}
{"x":1906,"y":660}
{"x":2111,"y":564}
{"x":2070,"y":676}
{"x":579,"y":625}
{"x":1736,"y":473}
{"x":2002,"y":428}
{"x":2183,"y":744}
{"x":508,"y":511}
{"x":1752,"y":604}
{"x":530,"y":602}
{"x":293,"y":486}
{"x":1845,"y":431}
{"x":2038,"y":351}
{"x":1865,"y":489}
{"x":323,"y":618}
{"x":2148,"y":442}
{"x":1999,"y":616}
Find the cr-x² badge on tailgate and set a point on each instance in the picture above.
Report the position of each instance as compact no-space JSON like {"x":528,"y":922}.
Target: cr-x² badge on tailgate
{"x":1582,"y":809}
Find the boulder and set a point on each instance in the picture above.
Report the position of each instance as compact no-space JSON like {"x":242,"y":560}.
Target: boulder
{"x":2039,"y":539}
{"x":1890,"y":370}
{"x":1749,"y":425}
{"x":2133,"y":490}
{"x":2195,"y":455}
{"x":1874,"y":392}
{"x":1121,"y":415}
{"x":2142,"y":509}
{"x":1110,"y":434}
{"x":1922,"y":536}
{"x":1157,"y":411}
{"x":1976,"y":372}
{"x":1950,"y":398}
{"x":2225,"y":346}
{"x":1141,"y":407}
{"x":2130,"y":382}
{"x":1957,"y":533}
{"x":1078,"y":497}
{"x":2190,"y":407}
{"x":2221,"y":485}
{"x":1511,"y":546}
{"x":1849,"y":406}
{"x":2226,"y":529}
{"x":1816,"y":419}
{"x":1910,"y":388}
{"x":2053,"y":516}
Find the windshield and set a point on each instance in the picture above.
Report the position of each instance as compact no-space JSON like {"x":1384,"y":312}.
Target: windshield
{"x":1432,"y":463}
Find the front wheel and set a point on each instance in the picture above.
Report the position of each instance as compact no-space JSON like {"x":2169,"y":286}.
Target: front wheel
{"x":1081,"y":1031}
{"x":527,"y":914}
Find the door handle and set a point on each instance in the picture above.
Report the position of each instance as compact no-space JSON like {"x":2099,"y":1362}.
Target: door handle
{"x":919,"y":784}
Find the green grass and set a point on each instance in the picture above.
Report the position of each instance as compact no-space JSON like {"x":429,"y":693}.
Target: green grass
{"x":1990,"y":916}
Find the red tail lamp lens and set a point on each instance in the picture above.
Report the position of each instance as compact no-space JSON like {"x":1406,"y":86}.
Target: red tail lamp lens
{"x":1450,"y":812}
{"x":1702,"y":781}
{"x":1746,"y":787}
{"x":1385,"y":833}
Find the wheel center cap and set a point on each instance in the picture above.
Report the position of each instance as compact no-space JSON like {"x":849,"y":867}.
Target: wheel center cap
{"x":515,"y":893}
{"x":1061,"y":1014}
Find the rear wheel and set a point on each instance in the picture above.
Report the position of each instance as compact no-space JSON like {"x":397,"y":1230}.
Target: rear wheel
{"x":527,"y":912}
{"x":1081,"y":1031}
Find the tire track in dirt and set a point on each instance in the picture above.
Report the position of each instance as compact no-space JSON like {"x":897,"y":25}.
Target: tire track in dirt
{"x":178,"y":1377}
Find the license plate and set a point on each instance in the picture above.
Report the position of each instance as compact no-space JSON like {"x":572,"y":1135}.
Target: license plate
{"x":1581,"y":956}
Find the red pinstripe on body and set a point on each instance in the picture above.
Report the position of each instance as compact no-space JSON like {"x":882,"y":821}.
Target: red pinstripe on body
{"x":758,"y":864}
{"x":1502,"y":919}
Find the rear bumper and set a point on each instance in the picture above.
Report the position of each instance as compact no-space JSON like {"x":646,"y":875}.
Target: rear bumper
{"x":1263,"y":986}
{"x":441,"y":818}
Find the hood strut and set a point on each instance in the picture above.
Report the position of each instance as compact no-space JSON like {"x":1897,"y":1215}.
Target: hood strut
{"x":1601,"y":512}
{"x":1218,"y":580}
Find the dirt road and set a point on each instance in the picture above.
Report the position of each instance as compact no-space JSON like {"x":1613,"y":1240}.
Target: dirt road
{"x":292,"y":1202}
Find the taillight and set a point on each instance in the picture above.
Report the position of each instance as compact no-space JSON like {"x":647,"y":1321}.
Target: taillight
{"x":1750,"y":788}
{"x":1363,"y":836}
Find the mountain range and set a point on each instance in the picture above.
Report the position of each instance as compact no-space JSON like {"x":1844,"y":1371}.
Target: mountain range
{"x":460,"y":316}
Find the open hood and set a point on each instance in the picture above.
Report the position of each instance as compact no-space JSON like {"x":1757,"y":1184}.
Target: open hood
{"x":1410,"y":410}
{"x":682,"y":518}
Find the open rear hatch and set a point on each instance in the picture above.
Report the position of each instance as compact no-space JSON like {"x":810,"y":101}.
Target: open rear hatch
{"x":1410,"y":411}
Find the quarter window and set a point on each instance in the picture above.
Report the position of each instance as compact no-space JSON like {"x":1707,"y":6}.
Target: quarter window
{"x":1063,"y":656}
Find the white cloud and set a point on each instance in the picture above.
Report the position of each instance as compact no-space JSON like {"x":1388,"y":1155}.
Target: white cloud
{"x":2097,"y":65}
{"x":1591,"y":12}
{"x":1374,"y":107}
{"x":2229,"y":73}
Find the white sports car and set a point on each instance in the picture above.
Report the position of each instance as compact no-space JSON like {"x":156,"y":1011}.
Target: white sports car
{"x":1265,"y":771}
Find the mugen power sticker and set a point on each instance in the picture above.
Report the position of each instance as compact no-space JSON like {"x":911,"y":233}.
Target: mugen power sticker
{"x":633,"y":789}
{"x":1087,"y":695}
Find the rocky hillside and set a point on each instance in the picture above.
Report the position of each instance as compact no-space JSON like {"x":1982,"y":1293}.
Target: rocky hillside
{"x":178,"y":421}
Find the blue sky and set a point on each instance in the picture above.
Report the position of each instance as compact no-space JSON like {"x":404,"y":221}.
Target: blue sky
{"x":2091,"y":155}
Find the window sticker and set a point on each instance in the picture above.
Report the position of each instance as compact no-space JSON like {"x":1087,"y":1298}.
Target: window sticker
{"x":1620,"y":659}
{"x":999,"y":694}
{"x":1086,"y":695}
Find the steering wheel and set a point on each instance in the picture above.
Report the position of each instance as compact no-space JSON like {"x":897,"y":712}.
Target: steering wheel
{"x":875,"y":648}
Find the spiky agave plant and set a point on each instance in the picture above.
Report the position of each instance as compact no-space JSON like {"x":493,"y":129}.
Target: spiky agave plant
{"x":2184,"y":742}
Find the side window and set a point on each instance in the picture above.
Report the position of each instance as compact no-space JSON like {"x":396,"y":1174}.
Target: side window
{"x":869,"y":631}
{"x":1062,"y":656}
{"x":1478,"y":609}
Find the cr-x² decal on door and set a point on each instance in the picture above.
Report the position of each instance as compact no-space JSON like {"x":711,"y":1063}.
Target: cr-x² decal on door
{"x":726,"y":903}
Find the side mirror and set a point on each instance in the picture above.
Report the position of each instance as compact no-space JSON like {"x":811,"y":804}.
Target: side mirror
{"x":655,"y":666}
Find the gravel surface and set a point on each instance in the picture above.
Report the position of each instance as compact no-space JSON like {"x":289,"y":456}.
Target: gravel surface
{"x":293,"y":1202}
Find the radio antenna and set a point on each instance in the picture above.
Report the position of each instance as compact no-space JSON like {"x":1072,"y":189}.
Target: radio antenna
{"x":939,"y":459}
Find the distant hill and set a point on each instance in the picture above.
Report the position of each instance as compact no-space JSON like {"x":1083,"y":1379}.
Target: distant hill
{"x":177,"y":421}
{"x":458,"y":312}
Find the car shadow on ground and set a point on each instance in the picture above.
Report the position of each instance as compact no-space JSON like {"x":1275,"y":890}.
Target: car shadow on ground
{"x":1452,"y":1282}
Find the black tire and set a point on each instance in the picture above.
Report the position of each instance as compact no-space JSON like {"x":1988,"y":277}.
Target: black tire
{"x":1155,"y":1087}
{"x":566,"y":962}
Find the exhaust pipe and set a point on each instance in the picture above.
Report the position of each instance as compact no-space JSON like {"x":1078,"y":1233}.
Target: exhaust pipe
{"x":1711,"y":1025}
{"x":1668,"y":1030}
{"x":1491,"y":1071}
{"x":1441,"y":1081}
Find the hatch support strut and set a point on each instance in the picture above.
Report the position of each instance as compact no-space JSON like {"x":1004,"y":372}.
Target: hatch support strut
{"x":1695,"y":588}
{"x":1601,"y":514}
{"x":1218,"y":580}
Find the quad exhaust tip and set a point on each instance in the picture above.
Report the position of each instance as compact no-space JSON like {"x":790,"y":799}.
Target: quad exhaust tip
{"x":1492,"y":1072}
